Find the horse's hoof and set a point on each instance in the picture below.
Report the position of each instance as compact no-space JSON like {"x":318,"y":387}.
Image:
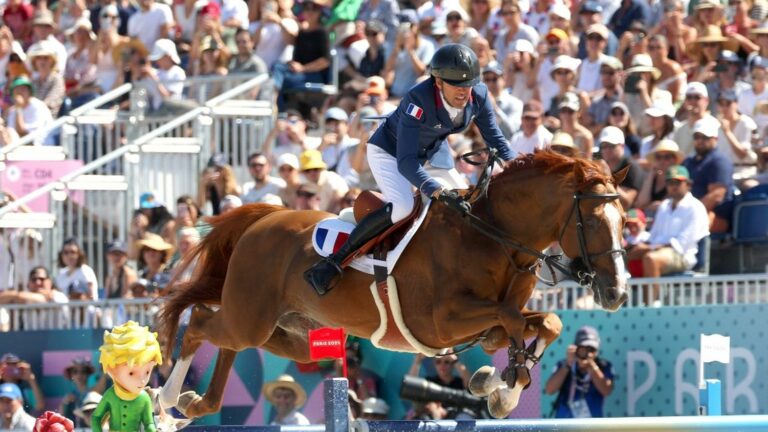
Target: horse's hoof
{"x":502,"y":401}
{"x":484,"y":381}
{"x":186,"y":402}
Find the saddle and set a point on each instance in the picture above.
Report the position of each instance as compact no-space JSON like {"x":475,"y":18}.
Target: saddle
{"x":370,"y":201}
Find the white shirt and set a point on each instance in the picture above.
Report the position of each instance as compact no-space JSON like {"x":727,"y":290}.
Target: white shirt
{"x":172,"y":79}
{"x":21,"y":421}
{"x":548,"y":88}
{"x":743,"y":130}
{"x":538,"y":141}
{"x":295,"y":418}
{"x":145,"y":25}
{"x":84,"y":274}
{"x":332,"y":188}
{"x":36,"y":115}
{"x":589,"y":75}
{"x":272,"y":43}
{"x":236,"y":9}
{"x":187,"y":22}
{"x":681,"y":227}
{"x":748,"y":104}
{"x":48,"y":318}
{"x":254,"y":194}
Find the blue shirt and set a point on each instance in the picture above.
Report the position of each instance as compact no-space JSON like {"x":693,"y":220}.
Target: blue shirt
{"x":638,"y":10}
{"x":584,"y":390}
{"x":714,"y":167}
{"x":416,"y":130}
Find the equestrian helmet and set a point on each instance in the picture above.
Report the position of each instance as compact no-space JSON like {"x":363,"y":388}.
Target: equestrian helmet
{"x":456,"y":64}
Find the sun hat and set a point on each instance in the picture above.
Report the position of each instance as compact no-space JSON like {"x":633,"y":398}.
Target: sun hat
{"x":285,"y":381}
{"x":44,"y":48}
{"x":666,"y":146}
{"x":82,"y":23}
{"x":562,"y":139}
{"x":711,"y":33}
{"x":707,"y":4}
{"x":78,"y":363}
{"x":643,"y":63}
{"x":311,"y":159}
{"x":162,"y":48}
{"x":44,"y":17}
{"x":154,"y":242}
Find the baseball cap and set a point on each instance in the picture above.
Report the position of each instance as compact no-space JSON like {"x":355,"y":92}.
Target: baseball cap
{"x":728,"y":94}
{"x":533,"y":108}
{"x":408,"y":16}
{"x":591,"y":6}
{"x":10,"y":391}
{"x":289,"y":159}
{"x":678,"y":172}
{"x":308,"y":188}
{"x":211,"y":9}
{"x":494,"y":67}
{"x":147,"y":201}
{"x":523,"y":45}
{"x":570,"y":101}
{"x":696,"y":88}
{"x":557,"y":33}
{"x":708,"y":126}
{"x":336,"y":113}
{"x":588,"y":337}
{"x":117,"y":246}
{"x":758,"y":62}
{"x":376,"y":86}
{"x":661,"y":109}
{"x":10,"y":358}
{"x":375,"y":26}
{"x":598,"y":29}
{"x":635,"y":215}
{"x":162,"y":48}
{"x":560,"y":10}
{"x":611,"y":135}
{"x":612,"y":62}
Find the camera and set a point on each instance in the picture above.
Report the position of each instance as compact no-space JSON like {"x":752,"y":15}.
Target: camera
{"x":630,"y":83}
{"x":421,"y":390}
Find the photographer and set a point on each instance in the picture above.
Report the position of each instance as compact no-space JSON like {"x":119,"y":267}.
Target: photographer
{"x":14,"y":370}
{"x":582,"y":381}
{"x":445,"y":367}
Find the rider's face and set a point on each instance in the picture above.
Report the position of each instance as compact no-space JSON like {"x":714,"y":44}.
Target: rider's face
{"x":456,"y":97}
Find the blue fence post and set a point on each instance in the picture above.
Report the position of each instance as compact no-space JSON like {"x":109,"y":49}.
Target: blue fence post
{"x":710,"y":398}
{"x":336,"y":405}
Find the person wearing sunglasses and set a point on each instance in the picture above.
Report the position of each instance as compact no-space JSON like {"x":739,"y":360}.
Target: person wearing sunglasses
{"x":694,"y":108}
{"x":40,"y":290}
{"x":598,"y":114}
{"x":263,"y":183}
{"x":654,"y":190}
{"x":583,"y":380}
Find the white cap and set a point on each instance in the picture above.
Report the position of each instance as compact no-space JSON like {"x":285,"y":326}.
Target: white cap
{"x":660,"y":109}
{"x":523,"y":45}
{"x":708,"y":126}
{"x":164,"y":47}
{"x":611,"y":135}
{"x":289,"y":159}
{"x":566,"y":62}
{"x":696,"y":88}
{"x":375,"y":406}
{"x":560,"y":10}
{"x":232,"y":200}
{"x":81,"y":23}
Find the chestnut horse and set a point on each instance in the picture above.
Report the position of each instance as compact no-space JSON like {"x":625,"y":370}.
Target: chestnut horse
{"x":455,"y":283}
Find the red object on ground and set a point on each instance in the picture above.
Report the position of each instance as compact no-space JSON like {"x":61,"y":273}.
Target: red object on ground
{"x":50,"y":421}
{"x":328,"y":342}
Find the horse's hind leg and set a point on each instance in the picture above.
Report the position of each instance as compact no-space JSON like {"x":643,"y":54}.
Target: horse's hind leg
{"x":192,"y":405}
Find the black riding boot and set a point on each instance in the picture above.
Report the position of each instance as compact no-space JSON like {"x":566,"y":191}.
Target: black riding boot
{"x":322,"y":274}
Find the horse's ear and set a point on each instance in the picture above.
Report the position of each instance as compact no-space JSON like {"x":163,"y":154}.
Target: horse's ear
{"x":619,"y":176}
{"x":581,"y":175}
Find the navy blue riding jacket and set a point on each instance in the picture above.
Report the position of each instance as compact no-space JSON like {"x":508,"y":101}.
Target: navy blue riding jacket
{"x":415,"y":132}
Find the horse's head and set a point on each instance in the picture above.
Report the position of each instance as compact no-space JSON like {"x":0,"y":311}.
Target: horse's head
{"x":593,"y":234}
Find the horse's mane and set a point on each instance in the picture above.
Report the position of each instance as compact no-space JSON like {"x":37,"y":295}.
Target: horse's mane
{"x":548,"y":162}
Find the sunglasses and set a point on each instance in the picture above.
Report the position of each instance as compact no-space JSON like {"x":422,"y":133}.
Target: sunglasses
{"x":509,"y":12}
{"x":608,"y":72}
{"x":665,"y":156}
{"x":371,"y":34}
{"x":588,"y":349}
{"x":256,"y":165}
{"x":674,"y":182}
{"x":566,"y":111}
{"x":285,"y":168}
{"x":617,"y":113}
{"x":595,"y":37}
{"x":699,"y":137}
{"x":443,"y":362}
{"x":453,"y":18}
{"x":654,"y":47}
{"x":724,"y":102}
{"x":562,"y":72}
{"x":38,"y":278}
{"x":305,"y":195}
{"x":693,"y":97}
{"x":490,"y":79}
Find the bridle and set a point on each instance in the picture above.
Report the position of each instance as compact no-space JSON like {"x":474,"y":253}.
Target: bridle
{"x":580,"y":269}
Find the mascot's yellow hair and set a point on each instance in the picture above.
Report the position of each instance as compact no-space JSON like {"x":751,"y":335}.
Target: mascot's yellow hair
{"x":129,"y":343}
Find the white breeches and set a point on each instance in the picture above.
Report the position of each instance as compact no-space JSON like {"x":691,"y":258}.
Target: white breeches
{"x":396,"y":188}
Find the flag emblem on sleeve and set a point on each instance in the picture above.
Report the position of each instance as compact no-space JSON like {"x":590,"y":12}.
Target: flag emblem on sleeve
{"x":414,"y":111}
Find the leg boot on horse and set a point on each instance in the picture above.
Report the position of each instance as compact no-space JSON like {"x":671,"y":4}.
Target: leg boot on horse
{"x":322,"y":274}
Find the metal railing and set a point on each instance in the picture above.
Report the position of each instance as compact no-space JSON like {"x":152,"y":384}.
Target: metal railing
{"x":672,"y":291}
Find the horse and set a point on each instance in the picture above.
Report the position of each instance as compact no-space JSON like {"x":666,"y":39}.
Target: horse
{"x":461,"y":278}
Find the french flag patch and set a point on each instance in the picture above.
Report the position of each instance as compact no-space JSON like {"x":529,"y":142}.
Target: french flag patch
{"x":330,"y":234}
{"x":414,"y":111}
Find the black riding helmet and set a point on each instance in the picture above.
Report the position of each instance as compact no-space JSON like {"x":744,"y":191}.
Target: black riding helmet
{"x":456,"y":64}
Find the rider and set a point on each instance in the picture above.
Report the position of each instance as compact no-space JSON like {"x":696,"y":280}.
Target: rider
{"x":414,"y":133}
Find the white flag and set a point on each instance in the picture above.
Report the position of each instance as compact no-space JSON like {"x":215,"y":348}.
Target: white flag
{"x":715,"y":348}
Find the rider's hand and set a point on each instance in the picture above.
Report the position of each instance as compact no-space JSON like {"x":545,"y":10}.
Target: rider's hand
{"x":452,"y":199}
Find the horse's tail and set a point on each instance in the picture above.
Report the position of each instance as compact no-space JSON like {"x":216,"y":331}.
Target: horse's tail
{"x":211,"y":259}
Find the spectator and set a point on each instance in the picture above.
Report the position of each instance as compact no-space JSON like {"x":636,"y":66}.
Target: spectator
{"x":69,"y":12}
{"x":121,"y":276}
{"x":450,"y":372}
{"x":217,"y":181}
{"x":349,"y":198}
{"x":694,"y":109}
{"x":75,"y":270}
{"x":408,"y":60}
{"x":124,"y":11}
{"x":654,"y":190}
{"x":384,"y":11}
{"x":513,"y":29}
{"x":372,"y":63}
{"x":635,"y":228}
{"x":520,"y":70}
{"x":620,"y":118}
{"x":603,"y":100}
{"x":375,"y":409}
{"x":332,"y":186}
{"x":569,"y":111}
{"x":589,"y":70}
{"x":14,"y":370}
{"x":612,"y":151}
{"x":153,"y":21}
{"x":79,"y":69}
{"x":532,"y":135}
{"x":154,"y":256}
{"x":672,"y":79}
{"x":49,"y":82}
{"x":263,"y":183}
{"x":151,"y":217}
{"x":287,"y":396}
{"x":234,"y":15}
{"x":289,"y":135}
{"x":288,"y":169}
{"x":753,"y":102}
{"x":77,"y":373}
{"x":736,"y":133}
{"x":166,"y":83}
{"x":591,"y":13}
{"x":17,"y":15}
{"x":562,"y":143}
{"x":308,"y":197}
{"x":677,"y":32}
{"x":729,"y":77}
{"x":84,"y":412}
{"x":712,"y":173}
{"x":230,"y":202}
{"x":274,"y":27}
{"x":12,"y":414}
{"x":583,"y":380}
{"x":188,"y":238}
{"x":484,"y":17}
{"x":538,"y":15}
{"x":458,"y":32}
{"x":28,"y":113}
{"x":210,"y":58}
{"x":508,"y":109}
{"x":246,"y":61}
{"x":108,"y":53}
{"x":641,"y":92}
{"x":44,"y":29}
{"x":185,"y":17}
{"x":40,"y":290}
{"x":680,"y":222}
{"x":629,"y":12}
{"x":662,"y":124}
{"x":482,"y":49}
{"x":336,"y":137}
{"x":551,"y":52}
{"x":187,"y":216}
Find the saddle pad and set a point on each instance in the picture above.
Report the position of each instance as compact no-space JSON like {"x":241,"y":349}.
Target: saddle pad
{"x":330,"y":234}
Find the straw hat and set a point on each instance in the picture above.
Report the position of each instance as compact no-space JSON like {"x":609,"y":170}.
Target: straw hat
{"x":708,"y":4}
{"x":43,"y":48}
{"x":563,"y":139}
{"x":666,"y":146}
{"x":711,"y":33}
{"x":285,"y":381}
{"x":90,"y":402}
{"x":82,"y":23}
{"x":155,"y":242}
{"x":79,"y":363}
{"x":643,"y":63}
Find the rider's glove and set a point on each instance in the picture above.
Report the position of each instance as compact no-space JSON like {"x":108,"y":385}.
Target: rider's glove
{"x":452,"y":199}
